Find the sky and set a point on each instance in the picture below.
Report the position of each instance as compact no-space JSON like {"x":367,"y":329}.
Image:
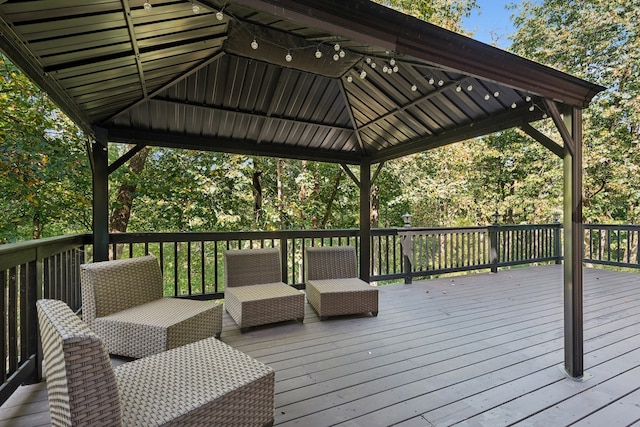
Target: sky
{"x":492,"y":18}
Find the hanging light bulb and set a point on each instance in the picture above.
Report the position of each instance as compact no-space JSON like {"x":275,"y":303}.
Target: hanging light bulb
{"x":385,"y":68}
{"x":363,"y":74}
{"x":440,"y":82}
{"x":220,"y":15}
{"x":392,"y":62}
{"x":373,"y":65}
{"x":288,"y":57}
{"x":486,"y":97}
{"x":349,"y":79}
{"x":528,"y":98}
{"x":342,"y":53}
{"x":513,"y":105}
{"x":254,"y":44}
{"x":195,"y":8}
{"x":496,"y":94}
{"x":431,"y":81}
{"x":147,"y":5}
{"x":318,"y":53}
{"x":336,"y":47}
{"x":368,"y":60}
{"x":414,"y":88}
{"x":336,"y":57}
{"x":458,"y":88}
{"x":531,"y":108}
{"x":389,"y":70}
{"x":470,"y":88}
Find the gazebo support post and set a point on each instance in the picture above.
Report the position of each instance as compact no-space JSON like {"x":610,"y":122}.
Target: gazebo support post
{"x":100,"y":168}
{"x":573,"y":241}
{"x":365,"y":220}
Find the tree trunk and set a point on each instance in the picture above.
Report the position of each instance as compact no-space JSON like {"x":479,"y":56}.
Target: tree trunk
{"x":280,"y":195}
{"x":334,"y":192}
{"x":124,"y":200}
{"x":257,"y":196}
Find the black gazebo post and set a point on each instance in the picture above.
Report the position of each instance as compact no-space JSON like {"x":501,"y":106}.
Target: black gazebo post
{"x":365,"y":219}
{"x":100,"y":168}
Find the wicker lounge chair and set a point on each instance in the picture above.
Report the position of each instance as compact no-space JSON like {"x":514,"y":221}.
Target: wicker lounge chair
{"x":332,"y":285}
{"x":123,"y":303}
{"x":204,"y":383}
{"x":254,"y":292}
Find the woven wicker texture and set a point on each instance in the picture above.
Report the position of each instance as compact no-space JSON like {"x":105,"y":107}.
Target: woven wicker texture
{"x":334,"y":297}
{"x":122,"y":302}
{"x":159,"y":325}
{"x":112,"y":286}
{"x":81,"y":383}
{"x":254,"y":292}
{"x":332,"y":287}
{"x":330,"y":262}
{"x":262,"y":304}
{"x":205,"y":383}
{"x":252,"y":267}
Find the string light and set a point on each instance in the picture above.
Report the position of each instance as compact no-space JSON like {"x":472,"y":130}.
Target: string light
{"x":349,"y":79}
{"x":531,"y":107}
{"x":318,"y":53}
{"x":336,"y":47}
{"x":458,"y":88}
{"x":513,"y":105}
{"x":496,"y":94}
{"x":470,"y":88}
{"x":414,"y":88}
{"x":147,"y":5}
{"x":195,"y":7}
{"x":336,"y":57}
{"x":288,"y":57}
{"x":363,"y":74}
{"x":487,"y":97}
{"x":220,"y":15}
{"x":254,"y":44}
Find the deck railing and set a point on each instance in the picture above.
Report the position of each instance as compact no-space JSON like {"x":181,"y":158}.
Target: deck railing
{"x":192,"y":265}
{"x":46,"y":268}
{"x":613,"y":245}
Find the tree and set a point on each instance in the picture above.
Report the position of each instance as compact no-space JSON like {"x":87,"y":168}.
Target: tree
{"x":597,"y":40}
{"x":44,"y":170}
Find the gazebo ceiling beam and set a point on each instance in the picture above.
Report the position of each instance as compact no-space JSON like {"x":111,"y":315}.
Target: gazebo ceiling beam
{"x":227,"y":145}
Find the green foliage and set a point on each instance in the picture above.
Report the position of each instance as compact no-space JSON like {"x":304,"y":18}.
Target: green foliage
{"x":44,"y":170}
{"x":597,"y":40}
{"x":444,"y":13}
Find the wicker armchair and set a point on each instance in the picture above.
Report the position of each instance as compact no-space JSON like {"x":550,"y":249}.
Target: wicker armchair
{"x":254,"y":292}
{"x":123,"y":303}
{"x":204,"y":383}
{"x":332,"y":285}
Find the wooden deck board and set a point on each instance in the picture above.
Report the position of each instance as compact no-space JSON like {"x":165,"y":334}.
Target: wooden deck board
{"x":482,"y":349}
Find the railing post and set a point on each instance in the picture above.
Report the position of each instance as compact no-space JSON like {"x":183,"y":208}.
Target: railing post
{"x":558,"y":242}
{"x":284,"y":253}
{"x":406,"y":246}
{"x":493,"y":244}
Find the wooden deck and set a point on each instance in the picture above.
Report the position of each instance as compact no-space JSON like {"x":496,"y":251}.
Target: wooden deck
{"x":483,"y":349}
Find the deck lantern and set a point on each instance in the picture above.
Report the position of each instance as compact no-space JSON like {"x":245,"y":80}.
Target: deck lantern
{"x":406,"y":218}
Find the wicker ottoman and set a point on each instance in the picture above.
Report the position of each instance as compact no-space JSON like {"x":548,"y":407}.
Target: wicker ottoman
{"x":262,"y":304}
{"x":158,"y":326}
{"x":334,"y":297}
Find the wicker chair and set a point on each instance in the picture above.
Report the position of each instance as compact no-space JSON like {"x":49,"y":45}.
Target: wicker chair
{"x":254,"y":292}
{"x":332,"y":285}
{"x":204,"y":383}
{"x":123,"y":303}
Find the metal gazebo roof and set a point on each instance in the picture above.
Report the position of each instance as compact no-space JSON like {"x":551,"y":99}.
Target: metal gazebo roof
{"x":220,"y":80}
{"x":292,"y":78}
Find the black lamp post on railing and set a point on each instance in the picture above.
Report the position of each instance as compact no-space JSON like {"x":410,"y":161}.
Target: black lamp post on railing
{"x":493,"y":242}
{"x":407,"y":248}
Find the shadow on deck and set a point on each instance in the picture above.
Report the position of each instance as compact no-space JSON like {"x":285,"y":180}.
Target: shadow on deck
{"x":482,"y":349}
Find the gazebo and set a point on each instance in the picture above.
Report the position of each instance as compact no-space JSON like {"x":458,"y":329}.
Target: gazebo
{"x":352,"y":82}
